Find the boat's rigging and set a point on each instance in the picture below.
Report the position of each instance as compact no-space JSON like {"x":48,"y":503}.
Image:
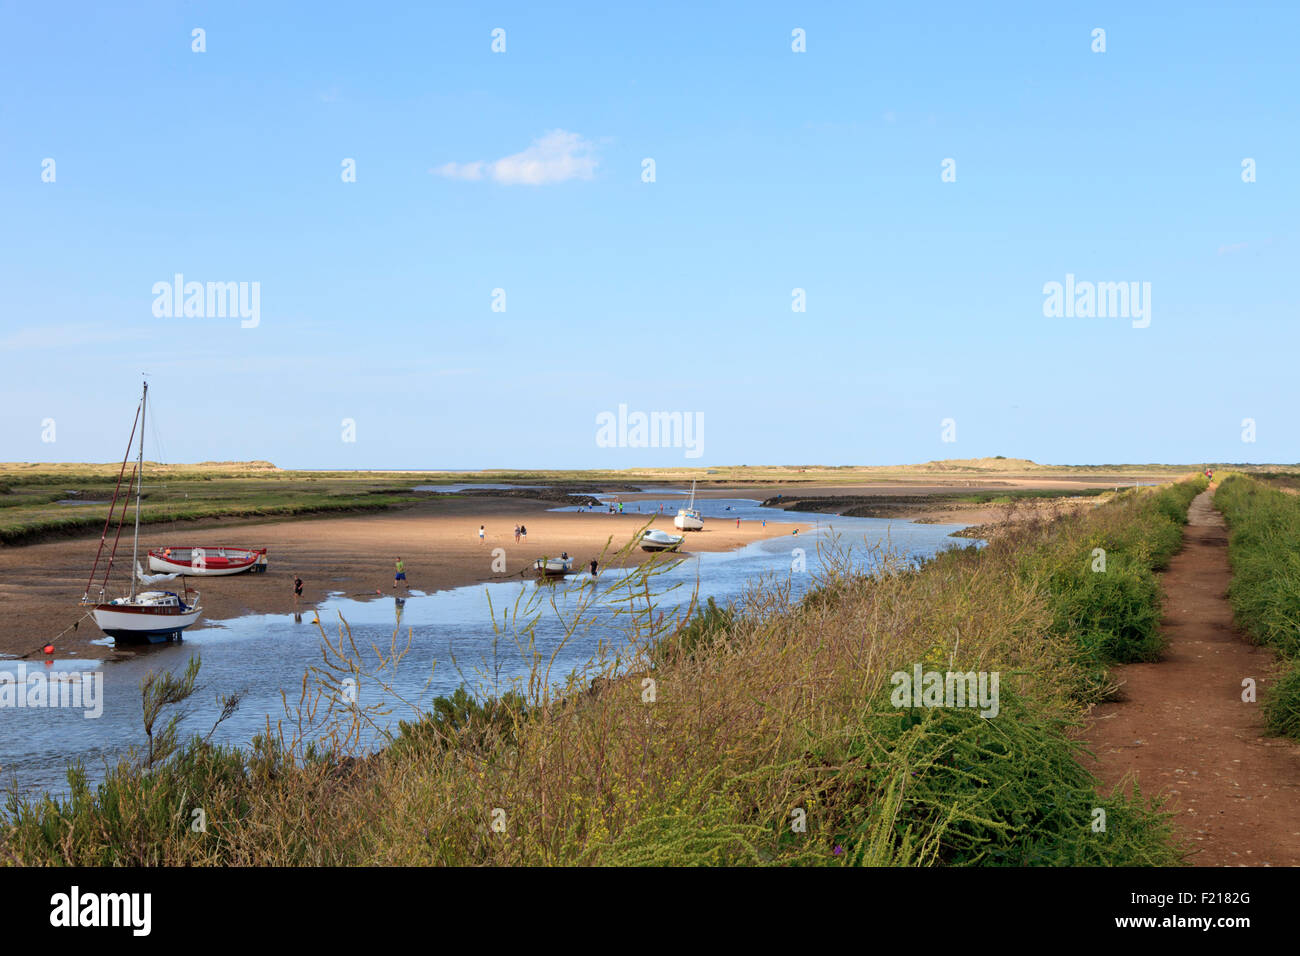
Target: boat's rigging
{"x":112,"y":555}
{"x":139,"y":491}
{"x":113,"y":507}
{"x":139,"y":488}
{"x":144,"y":615}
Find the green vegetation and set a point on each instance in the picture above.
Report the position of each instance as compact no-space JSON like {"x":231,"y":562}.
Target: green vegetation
{"x":1006,"y":497}
{"x":1101,"y":580}
{"x":30,"y":512}
{"x":1264,"y":550}
{"x":760,"y":733}
{"x":708,"y":625}
{"x":462,"y":720}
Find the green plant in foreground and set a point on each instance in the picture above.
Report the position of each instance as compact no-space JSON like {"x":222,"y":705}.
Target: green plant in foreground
{"x":1264,"y":552}
{"x":947,"y":786}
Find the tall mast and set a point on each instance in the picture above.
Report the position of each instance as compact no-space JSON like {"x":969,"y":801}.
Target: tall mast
{"x":139,"y":486}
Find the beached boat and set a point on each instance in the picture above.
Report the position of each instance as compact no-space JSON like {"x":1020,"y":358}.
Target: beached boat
{"x":209,"y":561}
{"x":141,"y":617}
{"x":688,"y":518}
{"x":553,"y":567}
{"x":661,"y":541}
{"x":146,"y":617}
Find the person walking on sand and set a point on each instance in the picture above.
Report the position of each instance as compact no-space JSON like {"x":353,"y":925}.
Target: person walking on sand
{"x":737,"y":522}
{"x":399,"y":574}
{"x":516,"y":534}
{"x":297,"y":592}
{"x":523,"y":531}
{"x":481,"y":531}
{"x":593,"y":567}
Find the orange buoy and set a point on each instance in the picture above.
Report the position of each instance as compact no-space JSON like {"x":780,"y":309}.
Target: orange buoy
{"x":48,"y":648}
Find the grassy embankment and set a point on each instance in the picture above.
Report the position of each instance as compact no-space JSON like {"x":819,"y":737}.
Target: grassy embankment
{"x":29,"y":511}
{"x":1264,"y":550}
{"x":759,"y":716}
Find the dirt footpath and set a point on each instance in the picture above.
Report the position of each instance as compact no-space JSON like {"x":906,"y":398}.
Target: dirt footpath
{"x":1184,"y":730}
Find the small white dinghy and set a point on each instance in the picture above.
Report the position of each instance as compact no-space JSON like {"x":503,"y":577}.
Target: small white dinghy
{"x":661,"y":541}
{"x":553,"y":567}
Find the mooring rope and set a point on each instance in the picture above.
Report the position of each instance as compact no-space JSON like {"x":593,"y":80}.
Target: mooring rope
{"x":41,"y":650}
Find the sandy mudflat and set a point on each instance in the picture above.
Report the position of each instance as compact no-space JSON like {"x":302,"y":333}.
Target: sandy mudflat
{"x":41,"y":584}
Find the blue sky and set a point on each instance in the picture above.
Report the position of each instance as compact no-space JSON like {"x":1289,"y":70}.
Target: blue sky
{"x":774,"y":170}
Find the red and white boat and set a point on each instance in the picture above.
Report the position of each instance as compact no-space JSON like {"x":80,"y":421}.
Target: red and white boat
{"x":141,"y":617}
{"x":209,"y":561}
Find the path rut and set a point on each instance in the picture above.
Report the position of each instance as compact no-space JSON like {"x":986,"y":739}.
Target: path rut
{"x":1183,"y":729}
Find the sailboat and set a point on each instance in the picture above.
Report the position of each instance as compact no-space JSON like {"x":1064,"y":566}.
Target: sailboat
{"x":688,"y":518}
{"x":141,"y":617}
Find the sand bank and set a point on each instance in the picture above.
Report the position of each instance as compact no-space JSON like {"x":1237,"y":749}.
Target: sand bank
{"x":40,"y":584}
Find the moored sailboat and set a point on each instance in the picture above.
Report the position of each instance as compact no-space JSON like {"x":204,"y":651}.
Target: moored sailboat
{"x":688,"y":518}
{"x":141,"y":617}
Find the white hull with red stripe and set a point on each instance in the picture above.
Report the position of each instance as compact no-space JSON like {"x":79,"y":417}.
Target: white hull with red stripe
{"x":207,"y":562}
{"x":152,"y":617}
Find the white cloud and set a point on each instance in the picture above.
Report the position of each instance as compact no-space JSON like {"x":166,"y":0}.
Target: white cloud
{"x":556,"y":157}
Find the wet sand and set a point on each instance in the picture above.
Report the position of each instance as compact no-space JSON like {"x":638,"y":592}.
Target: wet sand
{"x":41,"y":584}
